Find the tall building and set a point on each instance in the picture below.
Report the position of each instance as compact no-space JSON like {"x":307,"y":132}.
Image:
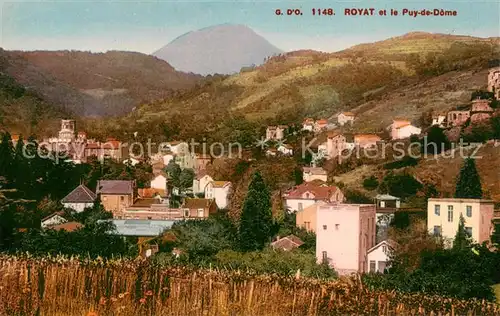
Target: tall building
{"x":443,"y":216}
{"x":344,"y":234}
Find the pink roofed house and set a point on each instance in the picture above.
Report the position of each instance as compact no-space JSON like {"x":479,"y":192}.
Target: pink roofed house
{"x":344,"y":234}
{"x":308,"y":193}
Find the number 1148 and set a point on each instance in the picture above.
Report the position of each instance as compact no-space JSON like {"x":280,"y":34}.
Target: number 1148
{"x":328,"y":11}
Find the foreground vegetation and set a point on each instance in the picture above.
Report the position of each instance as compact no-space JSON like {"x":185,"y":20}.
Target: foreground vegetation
{"x":61,"y":286}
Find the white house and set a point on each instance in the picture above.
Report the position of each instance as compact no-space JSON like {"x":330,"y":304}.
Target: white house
{"x":401,"y":129}
{"x":308,"y":125}
{"x":159,"y":181}
{"x":200,"y":182}
{"x":314,"y":173}
{"x":53,"y":219}
{"x":346,"y":117}
{"x":285,"y":149}
{"x":79,"y":199}
{"x":438,"y":119}
{"x":309,"y":193}
{"x":335,"y":145}
{"x":379,"y":256}
{"x":275,"y":132}
{"x":218,"y":190}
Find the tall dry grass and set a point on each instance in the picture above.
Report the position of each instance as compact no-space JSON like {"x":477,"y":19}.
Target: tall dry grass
{"x":59,"y":286}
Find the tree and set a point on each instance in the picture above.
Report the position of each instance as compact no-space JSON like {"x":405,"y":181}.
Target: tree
{"x":6,"y":156}
{"x":370,"y":183}
{"x":462,"y":238}
{"x":495,"y":236}
{"x":469,"y":183}
{"x":298,"y":176}
{"x":436,"y":141}
{"x":256,"y":221}
{"x":186,"y":178}
{"x":174,"y":172}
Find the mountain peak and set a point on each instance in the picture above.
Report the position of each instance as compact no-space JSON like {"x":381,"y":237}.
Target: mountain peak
{"x":222,"y":48}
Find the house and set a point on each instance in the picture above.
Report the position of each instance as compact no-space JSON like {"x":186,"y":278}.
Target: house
{"x":275,"y":132}
{"x":159,"y":180}
{"x":111,"y":149}
{"x":443,"y":216}
{"x":79,"y":199}
{"x":285,"y":149}
{"x":308,"y":193}
{"x":151,"y":193}
{"x":320,"y":125}
{"x":401,"y":129}
{"x":379,"y":256}
{"x":287,"y":243}
{"x":308,"y":125}
{"x":140,"y":228}
{"x":200,"y":181}
{"x":346,"y":117}
{"x":219,"y":190}
{"x":314,"y":173}
{"x":438,"y":119}
{"x":306,"y":218}
{"x":386,"y":200}
{"x":116,"y":195}
{"x":271,"y":152}
{"x":344,"y":234}
{"x":199,"y":208}
{"x":53,"y":219}
{"x":457,"y":117}
{"x":335,"y":144}
{"x":366,"y":140}
{"x":151,"y":208}
{"x":494,"y":81}
{"x":69,"y":226}
{"x":481,"y":111}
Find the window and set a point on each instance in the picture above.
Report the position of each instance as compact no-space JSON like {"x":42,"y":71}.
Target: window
{"x":381,"y":266}
{"x":468,"y":230}
{"x":384,"y":249}
{"x":122,"y":198}
{"x":307,"y":225}
{"x":324,"y":227}
{"x":324,"y":257}
{"x":437,"y":210}
{"x":300,"y":207}
{"x":468,"y":209}
{"x":337,"y":226}
{"x":450,"y":213}
{"x":373,"y":265}
{"x":186,"y":213}
{"x":201,"y":213}
{"x":149,"y":217}
{"x":437,"y":230}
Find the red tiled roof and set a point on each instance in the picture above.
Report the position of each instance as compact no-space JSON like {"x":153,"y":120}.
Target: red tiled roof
{"x":348,"y":114}
{"x":220,"y":184}
{"x":192,"y":203}
{"x":366,"y":137}
{"x":150,"y":192}
{"x":320,"y":192}
{"x":324,"y":122}
{"x":69,"y":227}
{"x":288,"y":243}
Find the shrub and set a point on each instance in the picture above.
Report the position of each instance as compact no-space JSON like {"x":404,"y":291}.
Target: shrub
{"x":370,"y":183}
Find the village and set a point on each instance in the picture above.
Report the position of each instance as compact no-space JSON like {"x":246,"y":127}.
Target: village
{"x":350,"y":238}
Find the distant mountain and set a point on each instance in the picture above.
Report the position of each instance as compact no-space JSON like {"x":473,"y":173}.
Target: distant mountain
{"x":222,"y":49}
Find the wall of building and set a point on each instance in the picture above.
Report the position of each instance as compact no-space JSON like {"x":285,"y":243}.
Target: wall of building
{"x":480,"y":221}
{"x":307,"y":217}
{"x":115,"y":202}
{"x":78,"y":207}
{"x":159,"y":182}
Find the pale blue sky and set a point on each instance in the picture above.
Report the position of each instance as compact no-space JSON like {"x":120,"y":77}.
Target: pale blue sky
{"x":146,"y":26}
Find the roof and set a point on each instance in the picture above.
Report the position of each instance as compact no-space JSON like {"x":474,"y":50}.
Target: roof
{"x":81,"y":194}
{"x":192,"y":203}
{"x":313,"y":206}
{"x":322,"y":121}
{"x":201,"y":174}
{"x":145,"y":202}
{"x":321,"y":192}
{"x":348,"y":114}
{"x":115,"y":187}
{"x":366,"y":137}
{"x":386,"y":197}
{"x":400,"y":123}
{"x":389,"y":242}
{"x":220,"y":184}
{"x":150,"y":192}
{"x":60,"y":213}
{"x":287,"y":243}
{"x":142,"y":228}
{"x":315,"y":170}
{"x":333,"y":134}
{"x":69,"y":227}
